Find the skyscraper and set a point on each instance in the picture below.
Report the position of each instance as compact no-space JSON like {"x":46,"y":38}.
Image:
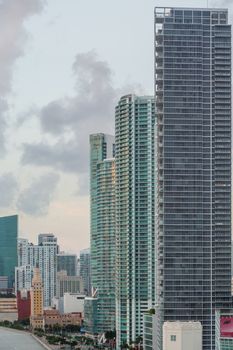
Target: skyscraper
{"x":103,"y":226}
{"x":85,"y":270}
{"x":135,"y":197}
{"x":106,"y":247}
{"x":67,"y":262}
{"x":193,"y":100}
{"x":8,"y":247}
{"x":101,"y":147}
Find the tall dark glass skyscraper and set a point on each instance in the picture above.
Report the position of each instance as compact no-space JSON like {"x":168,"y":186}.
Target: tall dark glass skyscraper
{"x":193,"y":100}
{"x":8,"y":247}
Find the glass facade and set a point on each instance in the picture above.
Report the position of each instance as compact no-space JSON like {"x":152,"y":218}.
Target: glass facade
{"x":103,"y":229}
{"x":101,"y":147}
{"x":8,"y":247}
{"x":67,"y":262}
{"x":226,"y":344}
{"x":90,"y":315}
{"x":85,"y":270}
{"x":106,"y":245}
{"x":193,"y":100}
{"x":135,"y":247}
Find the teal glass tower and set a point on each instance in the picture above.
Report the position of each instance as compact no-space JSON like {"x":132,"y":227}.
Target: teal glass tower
{"x":102,"y":170}
{"x":135,"y":193}
{"x":106,"y":245}
{"x":8,"y":247}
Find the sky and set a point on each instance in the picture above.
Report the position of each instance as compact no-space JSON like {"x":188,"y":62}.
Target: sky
{"x":63,"y":66}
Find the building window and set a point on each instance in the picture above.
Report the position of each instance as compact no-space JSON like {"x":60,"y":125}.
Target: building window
{"x":173,"y":337}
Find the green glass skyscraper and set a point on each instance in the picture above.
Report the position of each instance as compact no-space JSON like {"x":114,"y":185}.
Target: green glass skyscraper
{"x":106,"y":245}
{"x":102,"y":169}
{"x":8,"y":247}
{"x":135,"y":193}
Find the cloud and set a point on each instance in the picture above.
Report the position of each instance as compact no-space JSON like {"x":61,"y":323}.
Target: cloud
{"x":90,"y":110}
{"x":35,"y":199}
{"x":83,"y":184}
{"x":92,"y":104}
{"x":8,"y":189}
{"x":65,"y":156}
{"x":13,"y":14}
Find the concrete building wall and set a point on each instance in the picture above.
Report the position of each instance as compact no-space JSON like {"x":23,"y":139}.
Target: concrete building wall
{"x":182,"y":336}
{"x":73,"y":303}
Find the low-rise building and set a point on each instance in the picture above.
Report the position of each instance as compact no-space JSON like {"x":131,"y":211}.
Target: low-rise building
{"x":224,"y":330}
{"x":53,"y":317}
{"x":73,"y":318}
{"x":23,"y":304}
{"x":8,"y":309}
{"x":182,"y":335}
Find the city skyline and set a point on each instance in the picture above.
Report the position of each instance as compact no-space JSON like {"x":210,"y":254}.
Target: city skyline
{"x":42,"y":115}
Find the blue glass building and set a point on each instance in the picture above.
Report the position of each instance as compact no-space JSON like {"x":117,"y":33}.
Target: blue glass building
{"x":8,"y":247}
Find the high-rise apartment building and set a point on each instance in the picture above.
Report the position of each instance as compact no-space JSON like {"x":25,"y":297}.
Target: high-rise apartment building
{"x":23,"y":277}
{"x":85,"y":270}
{"x":43,"y":255}
{"x":8,"y":247}
{"x":67,"y":262}
{"x":103,"y":228}
{"x":22,"y":251}
{"x":106,"y":316}
{"x":193,"y":100}
{"x":135,"y":199}
{"x":101,"y":147}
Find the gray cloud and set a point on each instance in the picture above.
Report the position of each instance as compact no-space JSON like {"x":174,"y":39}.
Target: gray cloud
{"x":65,"y":156}
{"x":8,"y":189}
{"x":83,"y":184}
{"x":35,"y":199}
{"x":13,"y":14}
{"x":91,"y":110}
{"x":95,"y":96}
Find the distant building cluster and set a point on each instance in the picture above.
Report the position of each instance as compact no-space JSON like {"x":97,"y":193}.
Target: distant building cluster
{"x":38,"y":281}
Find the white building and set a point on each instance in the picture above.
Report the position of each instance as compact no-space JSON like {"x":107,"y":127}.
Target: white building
{"x":70,"y":302}
{"x":23,"y":277}
{"x":182,"y":336}
{"x":43,"y":255}
{"x":73,"y":302}
{"x":150,"y":329}
{"x":22,"y":251}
